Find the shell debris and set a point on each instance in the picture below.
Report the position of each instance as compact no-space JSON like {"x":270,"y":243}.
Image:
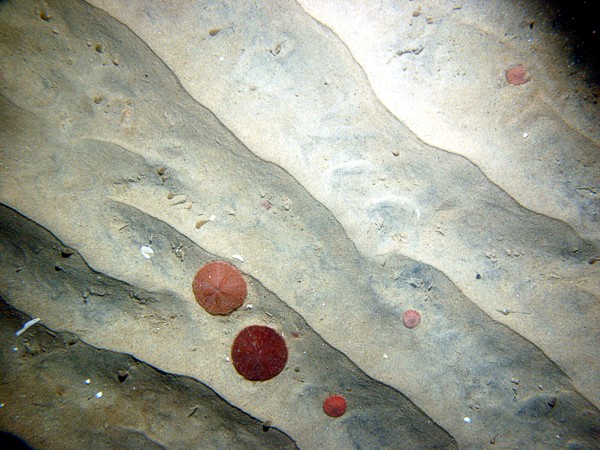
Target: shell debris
{"x":146,"y":251}
{"x":27,"y":325}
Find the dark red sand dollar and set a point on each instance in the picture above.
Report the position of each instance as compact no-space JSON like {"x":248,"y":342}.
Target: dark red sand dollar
{"x":259,"y":353}
{"x":411,"y":318}
{"x":335,"y":406}
{"x":219,"y":288}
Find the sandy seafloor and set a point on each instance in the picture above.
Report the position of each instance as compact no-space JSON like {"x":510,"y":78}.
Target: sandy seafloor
{"x":354,"y":160}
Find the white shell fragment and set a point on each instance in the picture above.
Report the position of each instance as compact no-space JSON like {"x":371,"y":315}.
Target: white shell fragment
{"x":467,"y":420}
{"x":147,"y":252}
{"x":98,"y":394}
{"x":27,"y":325}
{"x":87,"y":381}
{"x":240,"y":258}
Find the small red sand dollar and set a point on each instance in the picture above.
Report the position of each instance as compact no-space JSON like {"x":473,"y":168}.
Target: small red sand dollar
{"x":517,"y":75}
{"x":411,"y":318}
{"x":219,"y":288}
{"x":259,"y":353}
{"x":335,"y":406}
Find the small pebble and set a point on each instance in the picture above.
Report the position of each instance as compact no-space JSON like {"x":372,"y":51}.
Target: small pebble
{"x":46,"y":16}
{"x":66,"y":252}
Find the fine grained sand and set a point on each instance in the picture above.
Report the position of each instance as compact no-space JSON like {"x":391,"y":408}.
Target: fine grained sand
{"x":403,"y":171}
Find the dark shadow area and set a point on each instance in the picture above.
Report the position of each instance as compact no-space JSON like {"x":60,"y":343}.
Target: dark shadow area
{"x":9,"y":440}
{"x":580,"y":24}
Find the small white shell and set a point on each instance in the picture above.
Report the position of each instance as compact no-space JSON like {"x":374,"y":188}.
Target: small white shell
{"x":98,"y":394}
{"x":240,"y":258}
{"x":146,"y":251}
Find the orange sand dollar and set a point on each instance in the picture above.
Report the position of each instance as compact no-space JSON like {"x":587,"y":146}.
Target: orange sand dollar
{"x":219,"y":288}
{"x":517,"y":75}
{"x":335,"y":406}
{"x":411,"y":318}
